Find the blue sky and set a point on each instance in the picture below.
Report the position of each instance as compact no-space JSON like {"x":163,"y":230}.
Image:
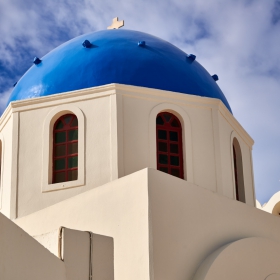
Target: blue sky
{"x":239,"y":40}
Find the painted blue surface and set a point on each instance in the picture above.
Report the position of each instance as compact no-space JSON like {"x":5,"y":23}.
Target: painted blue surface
{"x":116,"y":57}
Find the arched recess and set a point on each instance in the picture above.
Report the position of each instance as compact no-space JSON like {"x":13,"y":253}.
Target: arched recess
{"x":238,"y":259}
{"x":183,"y":117}
{"x":276,"y":209}
{"x":1,"y":167}
{"x":237,"y":169}
{"x":48,"y":126}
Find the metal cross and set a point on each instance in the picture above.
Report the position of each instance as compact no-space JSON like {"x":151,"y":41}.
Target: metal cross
{"x":116,"y":24}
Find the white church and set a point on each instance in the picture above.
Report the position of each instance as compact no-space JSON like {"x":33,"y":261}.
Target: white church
{"x":122,"y":160}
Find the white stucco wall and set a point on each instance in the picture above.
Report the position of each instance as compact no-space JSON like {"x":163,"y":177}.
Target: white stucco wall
{"x":118,"y":210}
{"x":118,"y":139}
{"x":261,"y":255}
{"x":9,"y":140}
{"x":163,"y":227}
{"x":30,"y":164}
{"x":22,"y":257}
{"x":229,"y":129}
{"x":209,"y":153}
{"x":188,"y":223}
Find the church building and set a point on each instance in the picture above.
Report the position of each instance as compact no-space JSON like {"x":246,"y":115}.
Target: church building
{"x":121,"y":159}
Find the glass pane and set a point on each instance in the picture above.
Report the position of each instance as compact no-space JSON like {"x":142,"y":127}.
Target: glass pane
{"x":175,"y":123}
{"x":73,"y":162}
{"x":173,"y":136}
{"x":164,"y":169}
{"x":163,"y":159}
{"x":59,"y":177}
{"x":68,"y":118}
{"x":73,"y":135}
{"x":162,"y":134}
{"x":59,"y":125}
{"x":162,"y":147}
{"x":174,"y":148}
{"x":174,"y":161}
{"x":167,"y":117}
{"x":59,"y":164}
{"x":60,"y":137}
{"x":60,"y":150}
{"x":160,"y":120}
{"x":175,"y":172}
{"x":72,"y":175}
{"x":74,"y":122}
{"x":72,"y":148}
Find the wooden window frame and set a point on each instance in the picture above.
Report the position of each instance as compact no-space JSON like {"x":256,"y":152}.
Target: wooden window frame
{"x":169,"y":128}
{"x":66,"y":128}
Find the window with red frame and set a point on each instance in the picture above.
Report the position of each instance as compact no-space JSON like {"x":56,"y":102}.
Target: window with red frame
{"x":65,"y":149}
{"x":169,"y":145}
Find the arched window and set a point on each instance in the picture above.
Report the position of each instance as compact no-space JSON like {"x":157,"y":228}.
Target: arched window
{"x":65,"y":149}
{"x":238,"y":171}
{"x":169,"y":145}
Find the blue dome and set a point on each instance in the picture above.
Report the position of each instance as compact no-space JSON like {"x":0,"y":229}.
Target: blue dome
{"x":115,"y":57}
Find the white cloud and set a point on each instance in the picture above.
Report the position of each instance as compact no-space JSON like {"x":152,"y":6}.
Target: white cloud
{"x":4,"y":99}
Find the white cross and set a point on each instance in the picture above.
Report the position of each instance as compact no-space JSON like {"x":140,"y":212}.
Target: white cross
{"x":116,"y":24}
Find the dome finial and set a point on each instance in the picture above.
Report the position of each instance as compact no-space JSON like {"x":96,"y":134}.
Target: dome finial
{"x":116,"y":24}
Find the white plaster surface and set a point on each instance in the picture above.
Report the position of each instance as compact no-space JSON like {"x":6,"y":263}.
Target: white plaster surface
{"x":162,"y":227}
{"x":49,"y":240}
{"x":257,"y":259}
{"x":119,"y":122}
{"x":118,"y":210}
{"x":22,"y":257}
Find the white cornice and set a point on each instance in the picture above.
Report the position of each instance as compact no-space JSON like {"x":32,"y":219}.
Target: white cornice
{"x":137,"y":92}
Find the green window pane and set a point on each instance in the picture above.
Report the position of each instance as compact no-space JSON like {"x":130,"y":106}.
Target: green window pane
{"x":60,"y":137}
{"x":73,"y":162}
{"x":74,"y":122}
{"x":160,"y":120}
{"x":173,"y":136}
{"x":164,"y":169}
{"x":175,"y":123}
{"x":72,"y":148}
{"x":59,"y":125}
{"x":60,"y":150}
{"x":174,"y":148}
{"x":174,"y":161}
{"x":167,"y":117}
{"x":59,"y":177}
{"x":67,"y":119}
{"x":162,"y":134}
{"x":73,"y":135}
{"x":162,"y":147}
{"x":72,"y":175}
{"x":175,"y":172}
{"x":163,"y":159}
{"x":59,"y":164}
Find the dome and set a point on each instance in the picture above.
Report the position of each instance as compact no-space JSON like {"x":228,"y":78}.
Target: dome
{"x":114,"y":56}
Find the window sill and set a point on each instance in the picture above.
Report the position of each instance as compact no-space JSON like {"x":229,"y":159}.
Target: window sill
{"x":62,"y":186}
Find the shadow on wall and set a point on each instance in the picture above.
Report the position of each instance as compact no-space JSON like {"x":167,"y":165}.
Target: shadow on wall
{"x":238,"y":171}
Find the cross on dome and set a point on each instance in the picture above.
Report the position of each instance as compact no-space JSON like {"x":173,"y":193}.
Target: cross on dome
{"x":116,"y":24}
